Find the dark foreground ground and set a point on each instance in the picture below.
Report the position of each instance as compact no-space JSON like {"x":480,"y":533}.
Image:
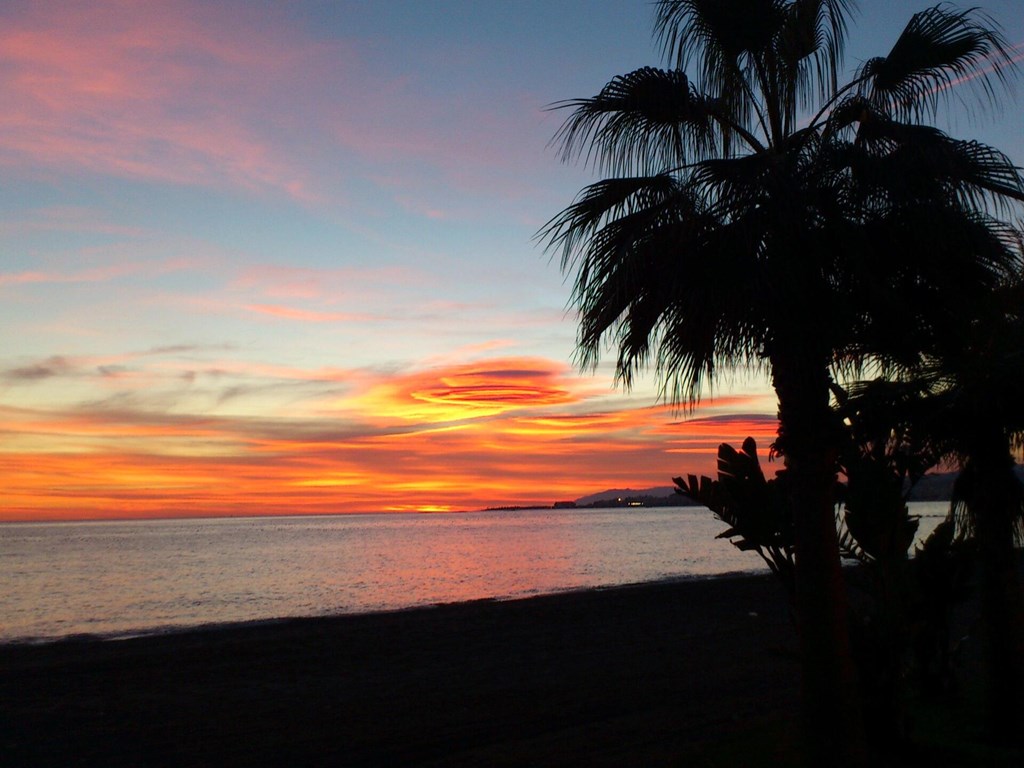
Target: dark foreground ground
{"x":695,"y":674}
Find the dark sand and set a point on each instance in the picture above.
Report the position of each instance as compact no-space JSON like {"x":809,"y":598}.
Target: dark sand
{"x":663,"y":674}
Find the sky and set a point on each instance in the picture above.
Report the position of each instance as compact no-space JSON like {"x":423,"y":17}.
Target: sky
{"x":280,"y":258}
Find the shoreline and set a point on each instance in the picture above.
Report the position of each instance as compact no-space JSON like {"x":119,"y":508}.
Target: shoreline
{"x":213,"y":626}
{"x":641,"y":673}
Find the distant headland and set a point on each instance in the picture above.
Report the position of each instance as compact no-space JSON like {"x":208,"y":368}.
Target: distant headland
{"x":937,"y":486}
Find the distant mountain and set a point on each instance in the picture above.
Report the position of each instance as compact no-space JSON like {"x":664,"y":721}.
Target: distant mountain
{"x":934,"y":487}
{"x":626,"y":494}
{"x":939,"y":486}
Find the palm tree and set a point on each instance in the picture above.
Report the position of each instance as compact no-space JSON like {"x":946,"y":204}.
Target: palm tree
{"x":964,"y":401}
{"x":730,"y":232}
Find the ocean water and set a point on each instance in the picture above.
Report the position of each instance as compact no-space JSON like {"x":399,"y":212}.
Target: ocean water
{"x":117,"y":579}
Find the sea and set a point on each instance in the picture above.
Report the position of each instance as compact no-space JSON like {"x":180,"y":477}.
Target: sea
{"x":118,"y":579}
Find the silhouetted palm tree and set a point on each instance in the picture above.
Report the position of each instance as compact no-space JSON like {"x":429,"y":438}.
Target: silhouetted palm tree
{"x":731,"y":232}
{"x":963,"y":398}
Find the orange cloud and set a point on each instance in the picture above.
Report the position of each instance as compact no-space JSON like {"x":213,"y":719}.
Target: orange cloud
{"x":471,"y":391}
{"x":500,"y":431}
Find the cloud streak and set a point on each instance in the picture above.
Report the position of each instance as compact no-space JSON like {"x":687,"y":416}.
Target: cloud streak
{"x":306,"y":315}
{"x":234,"y":97}
{"x":491,"y":432}
{"x":166,"y":92}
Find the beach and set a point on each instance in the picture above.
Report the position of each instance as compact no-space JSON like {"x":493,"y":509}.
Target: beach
{"x":653,"y":674}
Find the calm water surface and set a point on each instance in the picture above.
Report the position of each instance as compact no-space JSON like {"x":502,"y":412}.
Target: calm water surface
{"x":122,"y":578}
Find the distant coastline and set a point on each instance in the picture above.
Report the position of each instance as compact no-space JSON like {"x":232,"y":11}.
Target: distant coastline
{"x":937,"y":486}
{"x":610,"y":499}
{"x":649,"y":497}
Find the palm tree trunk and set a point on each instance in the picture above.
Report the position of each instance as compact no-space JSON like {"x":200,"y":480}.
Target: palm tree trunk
{"x":832,"y":719}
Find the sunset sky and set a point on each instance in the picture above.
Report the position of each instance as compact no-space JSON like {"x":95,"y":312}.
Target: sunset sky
{"x":265,"y":257}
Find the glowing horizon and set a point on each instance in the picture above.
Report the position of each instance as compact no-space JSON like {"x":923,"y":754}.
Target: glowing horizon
{"x":459,"y":437}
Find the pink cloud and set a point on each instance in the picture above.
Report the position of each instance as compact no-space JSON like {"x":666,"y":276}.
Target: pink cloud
{"x":95,"y":275}
{"x":69,"y":218}
{"x":286,"y":282}
{"x":306,"y":315}
{"x":162,"y":91}
{"x":1015,"y":56}
{"x":98,"y":274}
{"x":180,"y":92}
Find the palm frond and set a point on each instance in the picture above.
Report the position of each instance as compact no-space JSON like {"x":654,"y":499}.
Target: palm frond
{"x":570,"y":231}
{"x":939,"y":49}
{"x":923,"y":160}
{"x":927,"y":252}
{"x":757,"y":511}
{"x":716,"y":32}
{"x":613,"y":236}
{"x":728,"y":39}
{"x":982,"y":497}
{"x":827,"y":21}
{"x":717,"y":317}
{"x":641,"y":122}
{"x":636,"y":284}
{"x":810,"y":47}
{"x":662,"y":278}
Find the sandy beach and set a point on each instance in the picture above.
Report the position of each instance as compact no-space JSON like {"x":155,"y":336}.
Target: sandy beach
{"x":693,"y":673}
{"x":658,"y":674}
